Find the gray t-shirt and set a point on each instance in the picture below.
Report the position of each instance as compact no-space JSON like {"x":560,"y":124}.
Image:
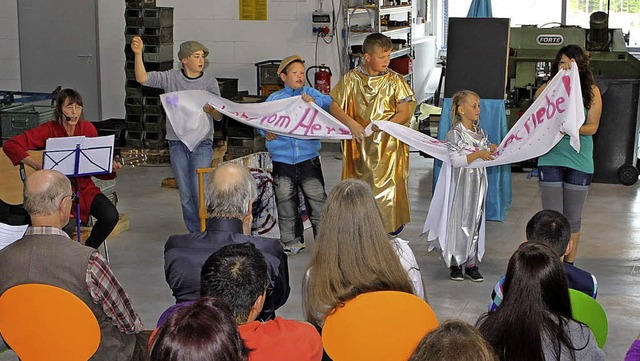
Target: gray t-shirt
{"x":173,"y":81}
{"x":582,"y":338}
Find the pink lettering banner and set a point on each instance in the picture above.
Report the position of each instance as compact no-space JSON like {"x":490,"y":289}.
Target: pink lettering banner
{"x":291,"y":117}
{"x":557,"y":111}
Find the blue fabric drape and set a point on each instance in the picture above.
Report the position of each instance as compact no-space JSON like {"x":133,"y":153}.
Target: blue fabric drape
{"x":493,"y":120}
{"x":480,"y":9}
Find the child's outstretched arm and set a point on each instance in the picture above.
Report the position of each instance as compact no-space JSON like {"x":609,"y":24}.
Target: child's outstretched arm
{"x":357,"y":131}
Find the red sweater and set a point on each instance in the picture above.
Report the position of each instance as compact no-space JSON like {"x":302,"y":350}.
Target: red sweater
{"x":34,"y":139}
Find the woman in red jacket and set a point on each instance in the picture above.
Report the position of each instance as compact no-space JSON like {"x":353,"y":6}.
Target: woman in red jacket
{"x":68,"y":122}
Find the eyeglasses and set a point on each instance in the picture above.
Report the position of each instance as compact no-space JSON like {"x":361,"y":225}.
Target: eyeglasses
{"x":72,"y":108}
{"x":74,"y":197}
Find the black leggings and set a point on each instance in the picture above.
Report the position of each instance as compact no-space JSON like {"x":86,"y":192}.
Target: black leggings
{"x":106,"y":219}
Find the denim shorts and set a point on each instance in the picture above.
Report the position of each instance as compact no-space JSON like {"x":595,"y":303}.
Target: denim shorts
{"x":564,"y":174}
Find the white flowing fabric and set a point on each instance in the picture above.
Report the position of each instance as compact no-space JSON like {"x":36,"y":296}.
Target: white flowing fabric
{"x":186,"y":116}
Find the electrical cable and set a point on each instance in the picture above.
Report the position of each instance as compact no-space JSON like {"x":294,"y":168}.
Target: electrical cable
{"x":316,"y":53}
{"x":335,"y":31}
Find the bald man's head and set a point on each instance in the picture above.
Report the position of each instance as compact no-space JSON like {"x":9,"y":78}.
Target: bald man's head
{"x":44,"y":192}
{"x":230,"y":192}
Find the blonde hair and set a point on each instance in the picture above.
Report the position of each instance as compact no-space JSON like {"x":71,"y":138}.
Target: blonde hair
{"x":456,"y":101}
{"x":352,"y":253}
{"x":454,"y":340}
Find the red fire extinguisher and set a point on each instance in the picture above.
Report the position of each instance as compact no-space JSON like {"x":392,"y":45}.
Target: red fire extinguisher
{"x":321,"y":79}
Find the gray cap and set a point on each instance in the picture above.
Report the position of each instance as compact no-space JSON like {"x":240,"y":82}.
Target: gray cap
{"x":189,"y":47}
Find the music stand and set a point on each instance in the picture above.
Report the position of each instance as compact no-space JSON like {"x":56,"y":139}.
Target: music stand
{"x":79,"y":156}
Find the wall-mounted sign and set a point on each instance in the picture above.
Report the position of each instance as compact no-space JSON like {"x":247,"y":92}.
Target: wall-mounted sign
{"x":252,"y":9}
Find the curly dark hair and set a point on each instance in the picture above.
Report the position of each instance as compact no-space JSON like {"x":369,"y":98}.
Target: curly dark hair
{"x":581,"y":57}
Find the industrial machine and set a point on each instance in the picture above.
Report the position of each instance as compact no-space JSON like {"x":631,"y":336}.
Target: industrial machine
{"x":617,"y":73}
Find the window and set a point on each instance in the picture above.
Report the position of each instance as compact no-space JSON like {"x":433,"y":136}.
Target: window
{"x":529,"y":12}
{"x":623,"y":14}
{"x":521,"y":12}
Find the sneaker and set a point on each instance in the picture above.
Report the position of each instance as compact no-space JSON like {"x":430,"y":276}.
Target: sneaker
{"x":294,"y":248}
{"x":456,"y":273}
{"x":473,"y":274}
{"x":397,"y":232}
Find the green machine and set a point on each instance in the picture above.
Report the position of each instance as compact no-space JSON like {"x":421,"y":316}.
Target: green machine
{"x":617,"y":73}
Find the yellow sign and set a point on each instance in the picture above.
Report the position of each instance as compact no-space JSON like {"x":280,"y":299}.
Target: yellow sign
{"x":252,"y":9}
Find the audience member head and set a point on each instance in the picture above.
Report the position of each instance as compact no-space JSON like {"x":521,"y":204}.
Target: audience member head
{"x":352,"y":253}
{"x":236,"y":274}
{"x":454,"y":340}
{"x":47,"y":198}
{"x":536,"y":303}
{"x":203,"y":331}
{"x":551,"y":228}
{"x":231,"y":192}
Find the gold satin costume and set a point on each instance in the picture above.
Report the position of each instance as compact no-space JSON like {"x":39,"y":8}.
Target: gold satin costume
{"x":380,"y":160}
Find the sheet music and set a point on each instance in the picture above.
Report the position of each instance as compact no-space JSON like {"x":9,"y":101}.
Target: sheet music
{"x":96,"y":154}
{"x":10,"y":234}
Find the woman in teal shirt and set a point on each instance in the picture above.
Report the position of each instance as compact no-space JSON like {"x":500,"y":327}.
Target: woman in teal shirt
{"x":565,"y":175}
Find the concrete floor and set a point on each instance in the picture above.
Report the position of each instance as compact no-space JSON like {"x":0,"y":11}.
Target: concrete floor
{"x":610,"y":248}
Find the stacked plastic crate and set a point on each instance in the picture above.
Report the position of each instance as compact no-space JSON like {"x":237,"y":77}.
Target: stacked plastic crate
{"x":145,"y":117}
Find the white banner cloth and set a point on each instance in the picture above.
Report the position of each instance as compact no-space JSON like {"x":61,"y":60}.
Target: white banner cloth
{"x":291,"y":116}
{"x":184,"y":111}
{"x":558,"y":109}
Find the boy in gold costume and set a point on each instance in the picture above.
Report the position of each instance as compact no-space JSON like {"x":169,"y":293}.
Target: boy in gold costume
{"x":369,"y":92}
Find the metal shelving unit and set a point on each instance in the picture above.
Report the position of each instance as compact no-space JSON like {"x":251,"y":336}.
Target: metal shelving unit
{"x":394,"y":21}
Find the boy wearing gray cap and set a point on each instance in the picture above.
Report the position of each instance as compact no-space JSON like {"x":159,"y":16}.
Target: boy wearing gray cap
{"x":184,"y":161}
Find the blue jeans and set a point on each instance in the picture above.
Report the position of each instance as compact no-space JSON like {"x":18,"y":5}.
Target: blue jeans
{"x":184,"y":164}
{"x":287,"y":178}
{"x":564,"y":174}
